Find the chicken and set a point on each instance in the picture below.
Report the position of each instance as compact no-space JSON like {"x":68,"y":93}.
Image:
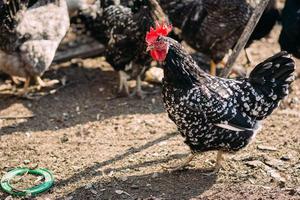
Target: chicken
{"x":214,"y":113}
{"x":290,"y":34}
{"x":29,"y":37}
{"x":266,"y":23}
{"x":211,"y":27}
{"x":214,"y":27}
{"x":122,"y":30}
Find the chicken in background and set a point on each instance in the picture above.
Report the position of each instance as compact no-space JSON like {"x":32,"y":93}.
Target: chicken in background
{"x":289,"y":39}
{"x":122,"y":27}
{"x":211,"y":27}
{"x":30,"y":32}
{"x":265,"y":24}
{"x":214,"y":113}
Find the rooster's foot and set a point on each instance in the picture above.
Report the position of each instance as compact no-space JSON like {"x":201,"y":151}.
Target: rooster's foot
{"x":42,"y":84}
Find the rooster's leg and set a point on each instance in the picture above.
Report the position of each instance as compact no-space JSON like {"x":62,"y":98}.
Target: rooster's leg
{"x":213,"y":68}
{"x":42,"y":83}
{"x":25,"y":89}
{"x":182,"y":164}
{"x":123,"y":83}
{"x":217,"y":167}
{"x":17,"y":80}
{"x":138,"y":92}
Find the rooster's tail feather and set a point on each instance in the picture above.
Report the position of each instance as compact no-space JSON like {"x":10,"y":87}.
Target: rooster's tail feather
{"x":274,"y":75}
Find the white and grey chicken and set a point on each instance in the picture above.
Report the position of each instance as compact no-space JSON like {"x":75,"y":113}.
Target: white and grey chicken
{"x":30,"y":33}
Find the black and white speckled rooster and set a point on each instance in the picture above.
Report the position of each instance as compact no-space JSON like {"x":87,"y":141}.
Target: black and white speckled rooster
{"x":215,"y":113}
{"x":122,"y":28}
{"x":30,"y":32}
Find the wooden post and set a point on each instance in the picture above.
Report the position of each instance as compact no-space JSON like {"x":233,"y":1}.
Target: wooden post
{"x":258,"y":11}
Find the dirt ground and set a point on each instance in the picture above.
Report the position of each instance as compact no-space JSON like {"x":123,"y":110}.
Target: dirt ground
{"x":101,"y":147}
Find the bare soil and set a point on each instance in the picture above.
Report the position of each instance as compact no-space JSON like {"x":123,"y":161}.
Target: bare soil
{"x":101,"y":147}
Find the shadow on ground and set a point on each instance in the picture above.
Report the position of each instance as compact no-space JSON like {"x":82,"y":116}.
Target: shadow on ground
{"x":92,"y":91}
{"x":177,"y":185}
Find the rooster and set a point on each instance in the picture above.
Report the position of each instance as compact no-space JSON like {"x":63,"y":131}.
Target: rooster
{"x":30,"y":32}
{"x":214,"y":113}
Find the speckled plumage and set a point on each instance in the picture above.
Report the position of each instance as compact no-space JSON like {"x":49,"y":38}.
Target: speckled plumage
{"x":29,"y":36}
{"x":214,"y":113}
{"x":126,"y":29}
{"x":122,"y":29}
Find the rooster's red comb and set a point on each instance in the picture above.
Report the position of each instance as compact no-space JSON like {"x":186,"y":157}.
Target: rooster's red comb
{"x":162,"y":29}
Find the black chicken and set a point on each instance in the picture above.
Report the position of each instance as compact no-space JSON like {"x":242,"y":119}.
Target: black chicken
{"x":266,"y":23}
{"x":290,"y":35}
{"x":215,"y":113}
{"x":122,"y":30}
{"x":30,"y":32}
{"x":211,"y":27}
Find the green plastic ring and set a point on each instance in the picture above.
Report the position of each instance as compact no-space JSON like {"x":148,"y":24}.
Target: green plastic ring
{"x":33,"y":191}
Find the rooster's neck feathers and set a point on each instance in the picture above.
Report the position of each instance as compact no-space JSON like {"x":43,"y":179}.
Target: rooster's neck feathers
{"x":179,"y":67}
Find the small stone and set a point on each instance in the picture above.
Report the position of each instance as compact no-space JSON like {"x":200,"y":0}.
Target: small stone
{"x":94,"y":191}
{"x":252,"y":181}
{"x":26,"y":162}
{"x":255,"y":163}
{"x":124,"y":178}
{"x":295,"y":100}
{"x":274,"y":162}
{"x":64,"y":138}
{"x":69,"y":198}
{"x":111,"y":173}
{"x":154,"y":75}
{"x":122,"y":192}
{"x":154,"y":175}
{"x":266,"y":148}
{"x":65,"y":116}
{"x":285,"y":158}
{"x":119,"y":191}
{"x":153,"y":101}
{"x":33,"y":165}
{"x":88,"y":186}
{"x":243,"y":157}
{"x":134,"y":186}
{"x":276,"y":175}
{"x":28,"y":134}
